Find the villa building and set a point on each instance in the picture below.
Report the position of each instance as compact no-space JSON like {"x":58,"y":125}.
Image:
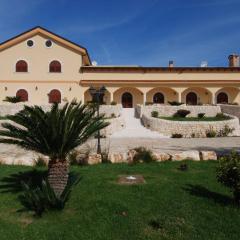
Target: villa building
{"x":42,"y":67}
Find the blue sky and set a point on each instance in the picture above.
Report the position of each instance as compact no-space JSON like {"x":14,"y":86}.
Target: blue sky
{"x":134,"y":32}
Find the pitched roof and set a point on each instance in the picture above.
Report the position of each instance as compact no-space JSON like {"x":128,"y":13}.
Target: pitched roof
{"x":46,"y":33}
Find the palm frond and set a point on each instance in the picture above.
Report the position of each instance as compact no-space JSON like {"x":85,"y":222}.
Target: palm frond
{"x":55,"y":132}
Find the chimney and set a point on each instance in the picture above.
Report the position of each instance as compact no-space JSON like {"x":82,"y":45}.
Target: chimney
{"x":233,"y":60}
{"x":171,"y":64}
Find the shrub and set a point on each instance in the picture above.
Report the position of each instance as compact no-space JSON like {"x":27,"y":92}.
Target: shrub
{"x":14,"y":99}
{"x":210,"y":133}
{"x":113,"y":103}
{"x":143,"y":155}
{"x":222,"y":116}
{"x":177,"y":135}
{"x":148,"y":103}
{"x":201,"y":115}
{"x":40,"y":162}
{"x":181,"y":113}
{"x":219,"y":115}
{"x":154,"y":114}
{"x":42,"y":198}
{"x":113,"y":115}
{"x":175,"y":103}
{"x":228,"y":173}
{"x":225,"y":131}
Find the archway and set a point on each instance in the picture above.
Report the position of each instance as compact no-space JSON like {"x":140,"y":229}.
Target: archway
{"x":127,"y":100}
{"x":22,"y":94}
{"x":158,"y":98}
{"x":54,"y":96}
{"x":222,"y":98}
{"x":191,"y":98}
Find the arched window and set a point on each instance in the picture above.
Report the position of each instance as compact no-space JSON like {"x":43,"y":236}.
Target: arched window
{"x":23,"y":94}
{"x":158,"y":98}
{"x":55,"y":66}
{"x":191,"y":98}
{"x":54,"y":96}
{"x":21,"y":66}
{"x":222,"y":97}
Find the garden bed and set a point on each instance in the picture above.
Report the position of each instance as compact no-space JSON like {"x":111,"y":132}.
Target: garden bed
{"x":197,"y":119}
{"x":199,"y":127}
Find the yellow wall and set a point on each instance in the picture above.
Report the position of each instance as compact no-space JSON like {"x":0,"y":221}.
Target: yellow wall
{"x":169,"y":94}
{"x":39,"y":82}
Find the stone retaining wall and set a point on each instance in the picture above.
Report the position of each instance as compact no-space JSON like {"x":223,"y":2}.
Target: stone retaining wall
{"x":188,"y":128}
{"x":108,"y":110}
{"x":12,"y":108}
{"x":167,"y":111}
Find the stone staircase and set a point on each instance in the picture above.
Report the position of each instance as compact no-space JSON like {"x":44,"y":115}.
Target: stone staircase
{"x":134,"y":128}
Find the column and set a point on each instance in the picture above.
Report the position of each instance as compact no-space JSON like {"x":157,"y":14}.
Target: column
{"x":144,"y":98}
{"x":111,"y":96}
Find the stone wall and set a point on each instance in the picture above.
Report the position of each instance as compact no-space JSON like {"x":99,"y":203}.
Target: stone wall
{"x":11,"y":108}
{"x":167,"y":111}
{"x":188,"y":128}
{"x":108,"y":110}
{"x":116,"y":123}
{"x":231,"y":109}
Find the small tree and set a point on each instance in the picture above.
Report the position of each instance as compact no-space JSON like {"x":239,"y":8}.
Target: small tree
{"x":53,"y":133}
{"x":228,"y":173}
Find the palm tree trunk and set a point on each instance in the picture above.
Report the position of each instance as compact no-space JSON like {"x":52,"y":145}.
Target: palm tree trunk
{"x":58,"y":175}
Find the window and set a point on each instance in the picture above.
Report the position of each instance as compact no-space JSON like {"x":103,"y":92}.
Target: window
{"x":55,"y":66}
{"x":158,"y":98}
{"x":54,"y":96}
{"x":23,"y":94}
{"x":222,"y":98}
{"x":21,"y":66}
{"x":191,"y":98}
{"x":30,"y":43}
{"x":48,"y":43}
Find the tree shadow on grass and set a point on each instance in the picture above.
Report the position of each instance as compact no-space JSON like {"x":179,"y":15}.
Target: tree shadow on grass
{"x":200,"y":191}
{"x":34,"y":178}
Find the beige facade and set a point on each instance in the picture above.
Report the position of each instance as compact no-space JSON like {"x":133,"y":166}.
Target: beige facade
{"x":126,"y":85}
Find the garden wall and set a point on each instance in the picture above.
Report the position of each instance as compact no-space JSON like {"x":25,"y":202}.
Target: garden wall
{"x":167,"y":111}
{"x":188,"y":128}
{"x":10,"y":108}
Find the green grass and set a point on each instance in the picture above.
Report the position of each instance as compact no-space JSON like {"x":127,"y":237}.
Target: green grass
{"x":196,"y":119}
{"x":171,"y":205}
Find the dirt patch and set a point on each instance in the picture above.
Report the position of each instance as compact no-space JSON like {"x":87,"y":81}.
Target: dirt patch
{"x":130,"y":179}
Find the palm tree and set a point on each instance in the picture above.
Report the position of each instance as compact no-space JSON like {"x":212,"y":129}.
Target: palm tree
{"x":53,"y":133}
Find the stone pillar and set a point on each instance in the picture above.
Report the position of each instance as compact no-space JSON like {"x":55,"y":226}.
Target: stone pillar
{"x":213,"y":92}
{"x":144,"y":98}
{"x":179,"y":91}
{"x":111,"y":97}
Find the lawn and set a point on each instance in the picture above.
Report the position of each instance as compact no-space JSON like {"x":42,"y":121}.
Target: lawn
{"x":172,"y":204}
